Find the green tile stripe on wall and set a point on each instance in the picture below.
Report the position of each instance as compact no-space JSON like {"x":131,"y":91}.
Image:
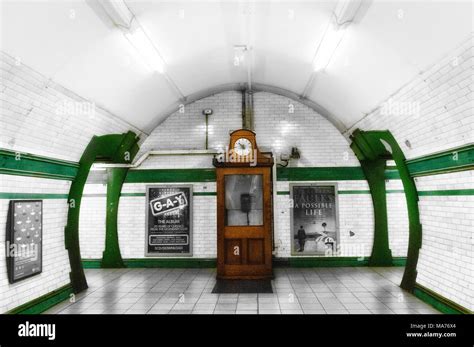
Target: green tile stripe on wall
{"x":320,"y":173}
{"x":12,"y":196}
{"x":439,"y":302}
{"x":446,"y":192}
{"x":283,"y":174}
{"x":283,"y":192}
{"x":194,"y":194}
{"x":204,"y":194}
{"x":392,"y":174}
{"x":456,"y":159}
{"x":25,"y":164}
{"x":157,"y":263}
{"x":143,"y":194}
{"x":41,"y":196}
{"x":44,"y":302}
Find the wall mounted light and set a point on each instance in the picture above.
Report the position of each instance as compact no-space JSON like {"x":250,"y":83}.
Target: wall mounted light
{"x":207,"y":112}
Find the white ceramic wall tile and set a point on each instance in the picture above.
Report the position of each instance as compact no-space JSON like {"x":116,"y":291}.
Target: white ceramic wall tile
{"x":446,"y":262}
{"x":41,"y":117}
{"x":55,"y":258}
{"x":434,"y":111}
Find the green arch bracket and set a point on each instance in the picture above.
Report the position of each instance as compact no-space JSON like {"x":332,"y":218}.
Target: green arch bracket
{"x":111,"y":257}
{"x":371,"y":148}
{"x":114,"y":148}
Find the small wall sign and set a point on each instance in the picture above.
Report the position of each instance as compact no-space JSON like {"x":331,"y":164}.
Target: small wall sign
{"x":24,"y":239}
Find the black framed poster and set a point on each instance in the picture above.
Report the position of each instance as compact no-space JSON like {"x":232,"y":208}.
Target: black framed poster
{"x":168,"y":220}
{"x":314,"y":219}
{"x":24,"y":239}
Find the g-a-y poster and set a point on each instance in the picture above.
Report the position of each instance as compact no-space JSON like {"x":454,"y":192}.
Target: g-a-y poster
{"x":314,"y":219}
{"x":169,"y":220}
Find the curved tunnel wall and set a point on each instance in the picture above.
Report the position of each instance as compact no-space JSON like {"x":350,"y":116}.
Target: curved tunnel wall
{"x":55,"y":125}
{"x":30,"y":123}
{"x":278,"y":129}
{"x":432,"y":114}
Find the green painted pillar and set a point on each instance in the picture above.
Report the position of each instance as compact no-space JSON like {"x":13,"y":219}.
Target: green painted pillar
{"x":71,"y":231}
{"x":415,"y":228}
{"x":111,"y":257}
{"x":373,"y":145}
{"x":381,"y":144}
{"x":374,"y":171}
{"x":115,"y":148}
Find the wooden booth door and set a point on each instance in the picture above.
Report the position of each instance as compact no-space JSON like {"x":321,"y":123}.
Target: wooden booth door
{"x":244,"y":223}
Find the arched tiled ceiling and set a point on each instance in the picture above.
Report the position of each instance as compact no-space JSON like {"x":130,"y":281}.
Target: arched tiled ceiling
{"x":391,"y":44}
{"x":257,"y":87}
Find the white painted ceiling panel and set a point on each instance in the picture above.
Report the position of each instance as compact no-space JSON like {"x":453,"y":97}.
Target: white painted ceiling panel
{"x":382,"y":51}
{"x":394,"y":42}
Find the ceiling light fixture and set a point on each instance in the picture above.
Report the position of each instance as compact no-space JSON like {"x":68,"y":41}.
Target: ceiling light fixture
{"x":343,"y":15}
{"x":239,"y":54}
{"x":145,"y":49}
{"x":116,"y":12}
{"x":327,"y":47}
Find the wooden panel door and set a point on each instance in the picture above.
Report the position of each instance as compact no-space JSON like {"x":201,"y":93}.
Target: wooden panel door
{"x":244,"y":223}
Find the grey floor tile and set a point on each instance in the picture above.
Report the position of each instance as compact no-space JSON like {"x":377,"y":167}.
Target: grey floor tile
{"x":183,"y":307}
{"x":308,"y":291}
{"x":286,"y":311}
{"x":336,"y":311}
{"x":246,"y":312}
{"x":247,"y":306}
{"x":137,"y":311}
{"x":314,"y":311}
{"x":224,"y":311}
{"x":264,"y":311}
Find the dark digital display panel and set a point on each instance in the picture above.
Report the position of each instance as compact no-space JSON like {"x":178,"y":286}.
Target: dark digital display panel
{"x":24,"y":241}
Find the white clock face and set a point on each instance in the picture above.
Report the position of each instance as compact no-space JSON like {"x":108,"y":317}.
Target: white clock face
{"x":242,"y":146}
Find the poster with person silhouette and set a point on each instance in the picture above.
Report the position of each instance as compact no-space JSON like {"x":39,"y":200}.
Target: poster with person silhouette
{"x":314,"y":219}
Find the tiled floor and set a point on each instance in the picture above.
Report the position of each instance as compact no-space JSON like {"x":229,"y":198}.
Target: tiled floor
{"x":298,"y":291}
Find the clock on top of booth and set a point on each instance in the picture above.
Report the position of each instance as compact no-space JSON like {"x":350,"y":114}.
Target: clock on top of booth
{"x":243,"y":151}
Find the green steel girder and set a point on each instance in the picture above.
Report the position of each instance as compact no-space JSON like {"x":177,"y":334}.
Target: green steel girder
{"x":116,"y":148}
{"x":375,"y":173}
{"x":370,"y":146}
{"x":111,"y":257}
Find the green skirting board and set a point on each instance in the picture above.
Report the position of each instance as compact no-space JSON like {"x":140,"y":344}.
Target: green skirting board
{"x":44,"y":302}
{"x":211,"y":262}
{"x":438,"y":302}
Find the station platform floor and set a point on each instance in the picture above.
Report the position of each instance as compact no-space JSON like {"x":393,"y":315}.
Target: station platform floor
{"x":349,"y":290}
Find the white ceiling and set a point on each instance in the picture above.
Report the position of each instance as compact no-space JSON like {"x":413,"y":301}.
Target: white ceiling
{"x":379,"y":53}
